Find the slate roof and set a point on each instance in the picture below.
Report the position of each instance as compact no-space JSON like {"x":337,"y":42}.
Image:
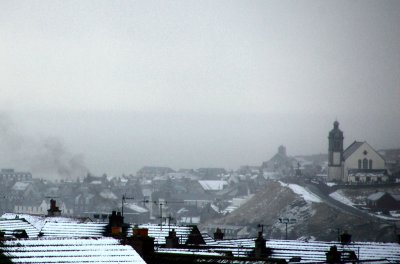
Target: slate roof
{"x":45,"y":250}
{"x":376,"y":196}
{"x":396,"y":197}
{"x":351,"y":149}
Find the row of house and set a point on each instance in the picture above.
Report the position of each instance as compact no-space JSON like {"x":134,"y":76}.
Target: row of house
{"x":75,"y":240}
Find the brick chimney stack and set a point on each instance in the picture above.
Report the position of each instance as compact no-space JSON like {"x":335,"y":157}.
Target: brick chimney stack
{"x":172,"y":241}
{"x":54,"y":210}
{"x":218,"y":235}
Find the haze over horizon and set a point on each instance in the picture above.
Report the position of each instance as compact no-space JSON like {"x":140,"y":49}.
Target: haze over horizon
{"x":114,"y":86}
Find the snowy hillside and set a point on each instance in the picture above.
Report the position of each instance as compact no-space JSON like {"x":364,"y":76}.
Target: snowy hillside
{"x":314,"y":218}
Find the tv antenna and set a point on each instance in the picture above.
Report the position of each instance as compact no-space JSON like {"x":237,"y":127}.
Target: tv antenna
{"x":124,"y":198}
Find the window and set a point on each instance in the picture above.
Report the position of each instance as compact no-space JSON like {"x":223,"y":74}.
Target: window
{"x":368,"y":179}
{"x":370,"y":164}
{"x":357,"y":178}
{"x":359,"y":164}
{"x":365,"y":164}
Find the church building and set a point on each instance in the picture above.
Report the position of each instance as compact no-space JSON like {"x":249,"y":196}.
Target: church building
{"x":358,"y":163}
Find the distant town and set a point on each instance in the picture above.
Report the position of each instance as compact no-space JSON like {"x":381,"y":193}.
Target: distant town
{"x":281,"y":197}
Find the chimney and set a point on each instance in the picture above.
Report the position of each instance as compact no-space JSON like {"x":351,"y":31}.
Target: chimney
{"x":333,"y":255}
{"x":54,"y":210}
{"x":345,"y":238}
{"x":116,"y":223}
{"x":218,"y":235}
{"x":172,"y":241}
{"x":142,"y":243}
{"x":260,"y":250}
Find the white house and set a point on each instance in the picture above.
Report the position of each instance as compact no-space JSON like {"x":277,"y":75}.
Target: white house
{"x":363,"y":164}
{"x":358,"y":163}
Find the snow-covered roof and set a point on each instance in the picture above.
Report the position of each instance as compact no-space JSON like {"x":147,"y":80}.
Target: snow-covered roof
{"x":190,"y":219}
{"x":229,"y":209}
{"x":66,"y":229}
{"x":96,"y":182}
{"x":136,"y":208}
{"x":376,"y":196}
{"x":311,"y":251}
{"x":44,"y":250}
{"x":160,"y":232}
{"x":60,"y":226}
{"x":307,"y":195}
{"x":10,"y":225}
{"x":107,"y":194}
{"x":210,"y":185}
{"x":20,"y":186}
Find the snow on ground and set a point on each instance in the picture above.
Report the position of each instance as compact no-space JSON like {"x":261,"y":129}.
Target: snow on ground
{"x":339,"y":196}
{"x":300,"y":190}
{"x":386,"y":217}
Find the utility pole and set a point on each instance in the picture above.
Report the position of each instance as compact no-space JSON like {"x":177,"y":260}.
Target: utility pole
{"x":169,"y":221}
{"x":287,"y":221}
{"x":161,"y":204}
{"x":262,"y":227}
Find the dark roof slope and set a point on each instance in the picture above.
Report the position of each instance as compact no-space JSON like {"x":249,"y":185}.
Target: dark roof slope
{"x":351,"y":149}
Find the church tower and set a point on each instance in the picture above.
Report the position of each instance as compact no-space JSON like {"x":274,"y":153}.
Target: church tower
{"x":335,"y":153}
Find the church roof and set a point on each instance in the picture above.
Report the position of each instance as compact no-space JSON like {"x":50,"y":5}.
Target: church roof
{"x":351,"y":149}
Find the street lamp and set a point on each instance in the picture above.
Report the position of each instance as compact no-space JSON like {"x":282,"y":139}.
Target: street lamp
{"x":287,"y":221}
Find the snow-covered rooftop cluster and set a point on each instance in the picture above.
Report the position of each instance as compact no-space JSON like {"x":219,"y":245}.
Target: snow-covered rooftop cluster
{"x":70,"y":250}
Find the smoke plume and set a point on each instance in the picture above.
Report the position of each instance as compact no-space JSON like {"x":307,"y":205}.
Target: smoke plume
{"x":44,"y":157}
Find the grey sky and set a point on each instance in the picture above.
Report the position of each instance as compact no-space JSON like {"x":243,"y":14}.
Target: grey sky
{"x":199,"y":83}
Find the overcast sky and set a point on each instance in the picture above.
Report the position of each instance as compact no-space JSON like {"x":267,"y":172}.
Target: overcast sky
{"x":122,"y":84}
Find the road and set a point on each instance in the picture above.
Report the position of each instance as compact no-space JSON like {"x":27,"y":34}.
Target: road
{"x":322,"y":194}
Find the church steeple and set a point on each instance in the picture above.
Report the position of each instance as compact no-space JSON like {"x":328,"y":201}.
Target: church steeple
{"x":335,"y":153}
{"x":336,"y":139}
